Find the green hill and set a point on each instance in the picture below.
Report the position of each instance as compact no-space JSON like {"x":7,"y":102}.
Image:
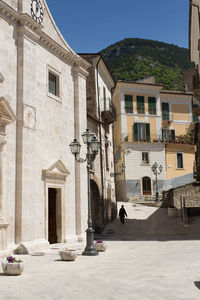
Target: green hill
{"x":134,"y":59}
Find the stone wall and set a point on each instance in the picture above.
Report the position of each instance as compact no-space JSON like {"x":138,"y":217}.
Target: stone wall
{"x":191,"y":193}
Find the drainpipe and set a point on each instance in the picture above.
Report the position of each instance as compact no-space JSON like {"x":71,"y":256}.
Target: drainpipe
{"x":100,"y":139}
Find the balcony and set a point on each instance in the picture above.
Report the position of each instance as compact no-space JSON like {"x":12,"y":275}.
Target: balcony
{"x":108,"y":111}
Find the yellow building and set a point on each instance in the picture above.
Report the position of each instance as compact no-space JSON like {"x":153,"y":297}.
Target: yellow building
{"x":153,"y":125}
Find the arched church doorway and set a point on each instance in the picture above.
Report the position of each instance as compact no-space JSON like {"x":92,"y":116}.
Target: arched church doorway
{"x":96,"y":207}
{"x":146,"y":185}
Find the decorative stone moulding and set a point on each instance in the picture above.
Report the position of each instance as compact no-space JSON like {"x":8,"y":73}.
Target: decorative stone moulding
{"x":68,"y":255}
{"x":100,"y":247}
{"x":172,"y":212}
{"x":14,"y":268}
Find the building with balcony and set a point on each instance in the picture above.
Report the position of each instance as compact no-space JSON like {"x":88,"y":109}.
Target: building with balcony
{"x":194,"y":37}
{"x":153,"y":125}
{"x":101,"y":114}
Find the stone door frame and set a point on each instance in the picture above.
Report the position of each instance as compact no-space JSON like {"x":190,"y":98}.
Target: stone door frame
{"x":55,"y":177}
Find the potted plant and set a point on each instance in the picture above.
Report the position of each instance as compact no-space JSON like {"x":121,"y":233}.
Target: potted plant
{"x":172,"y":211}
{"x":67,"y":254}
{"x":12,"y":266}
{"x":100,"y":245}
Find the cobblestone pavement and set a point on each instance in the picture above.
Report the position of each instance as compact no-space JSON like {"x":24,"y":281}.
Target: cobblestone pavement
{"x":149,"y":257}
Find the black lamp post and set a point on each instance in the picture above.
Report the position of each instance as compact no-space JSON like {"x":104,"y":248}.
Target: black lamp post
{"x":93,"y":146}
{"x":157,"y":171}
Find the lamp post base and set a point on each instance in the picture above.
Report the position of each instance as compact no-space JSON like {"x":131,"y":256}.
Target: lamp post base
{"x":157,"y":197}
{"x":90,"y":249}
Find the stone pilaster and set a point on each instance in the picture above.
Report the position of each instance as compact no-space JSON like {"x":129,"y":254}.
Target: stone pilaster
{"x":3,"y":224}
{"x":78,"y":72}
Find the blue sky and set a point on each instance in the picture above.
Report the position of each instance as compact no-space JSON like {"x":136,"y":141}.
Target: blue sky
{"x":91,"y":25}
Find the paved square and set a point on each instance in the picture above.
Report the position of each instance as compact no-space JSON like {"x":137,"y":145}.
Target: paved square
{"x":150,"y":257}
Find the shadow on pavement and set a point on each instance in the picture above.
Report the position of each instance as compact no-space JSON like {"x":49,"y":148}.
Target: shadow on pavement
{"x":156,"y":227}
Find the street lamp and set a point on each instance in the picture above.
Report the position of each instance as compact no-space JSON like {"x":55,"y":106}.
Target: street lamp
{"x":157,"y":171}
{"x":122,"y":169}
{"x":93,"y":146}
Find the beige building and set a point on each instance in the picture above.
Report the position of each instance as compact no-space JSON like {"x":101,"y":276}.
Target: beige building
{"x":43,"y":195}
{"x":101,"y":115}
{"x":153,"y":126}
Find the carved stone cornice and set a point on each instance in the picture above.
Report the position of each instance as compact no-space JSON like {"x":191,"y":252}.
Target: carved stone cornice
{"x":7,"y":115}
{"x":81,"y":71}
{"x":29,"y":27}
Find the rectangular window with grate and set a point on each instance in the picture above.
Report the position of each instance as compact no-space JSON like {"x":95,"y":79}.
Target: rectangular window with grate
{"x":145,"y":158}
{"x":53,"y":84}
{"x":152,"y":105}
{"x":179,"y":160}
{"x":140,"y":105}
{"x":128,"y":104}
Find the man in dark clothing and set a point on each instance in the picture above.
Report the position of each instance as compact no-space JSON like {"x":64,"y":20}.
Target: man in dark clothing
{"x":122,"y":214}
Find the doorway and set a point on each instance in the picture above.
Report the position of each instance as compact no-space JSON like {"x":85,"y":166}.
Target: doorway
{"x":146,"y":185}
{"x":54,"y":215}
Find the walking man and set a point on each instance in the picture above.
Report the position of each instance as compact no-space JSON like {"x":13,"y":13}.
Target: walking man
{"x":122,"y":214}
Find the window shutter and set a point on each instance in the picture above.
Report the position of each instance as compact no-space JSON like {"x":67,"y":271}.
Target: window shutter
{"x":165,"y":111}
{"x":147,"y":131}
{"x":140,"y":105}
{"x":128,"y":103}
{"x":152,"y":105}
{"x":163,"y":135}
{"x":195,"y":117}
{"x":173,"y":135}
{"x":135,"y":131}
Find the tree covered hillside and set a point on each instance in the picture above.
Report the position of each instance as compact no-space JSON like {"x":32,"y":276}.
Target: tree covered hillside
{"x":134,"y":59}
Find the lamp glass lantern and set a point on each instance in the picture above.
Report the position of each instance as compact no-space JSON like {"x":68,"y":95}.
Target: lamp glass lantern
{"x":94,"y":145}
{"x":122,"y":168}
{"x":87,"y":136}
{"x":75,"y":147}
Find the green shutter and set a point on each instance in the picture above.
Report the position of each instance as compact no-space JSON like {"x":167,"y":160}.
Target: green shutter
{"x":135,"y":131}
{"x":195,"y":117}
{"x":148,"y":132}
{"x":165,"y":111}
{"x":140,"y":105}
{"x":173,"y":135}
{"x":152,"y":105}
{"x":128,"y":103}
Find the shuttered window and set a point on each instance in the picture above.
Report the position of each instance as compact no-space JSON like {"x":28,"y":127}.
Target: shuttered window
{"x":168,"y":135}
{"x":165,"y":111}
{"x":140,"y":105}
{"x":152,"y":105}
{"x":128,"y":103}
{"x":53,"y":85}
{"x":141,"y":132}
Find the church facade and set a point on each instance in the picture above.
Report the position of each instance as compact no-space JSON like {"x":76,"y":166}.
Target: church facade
{"x":43,"y":194}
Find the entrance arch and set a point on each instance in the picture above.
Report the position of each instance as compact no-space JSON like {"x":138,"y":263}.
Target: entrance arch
{"x":96,"y":207}
{"x":146,"y":185}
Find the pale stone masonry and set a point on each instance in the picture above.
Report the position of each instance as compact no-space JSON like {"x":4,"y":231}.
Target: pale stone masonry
{"x":43,"y":195}
{"x":100,"y":119}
